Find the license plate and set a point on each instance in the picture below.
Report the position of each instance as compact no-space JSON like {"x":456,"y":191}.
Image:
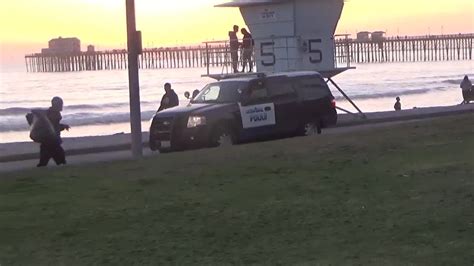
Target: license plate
{"x":166,"y":144}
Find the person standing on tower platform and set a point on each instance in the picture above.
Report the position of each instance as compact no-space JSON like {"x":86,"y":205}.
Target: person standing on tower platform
{"x":247,"y":48}
{"x":234,"y":48}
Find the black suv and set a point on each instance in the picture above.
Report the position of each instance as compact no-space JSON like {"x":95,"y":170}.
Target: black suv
{"x":243,"y":109}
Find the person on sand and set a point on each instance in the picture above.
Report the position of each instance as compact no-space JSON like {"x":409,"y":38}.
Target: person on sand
{"x":170,"y":99}
{"x":52,"y":148}
{"x":398,"y":105}
{"x":466,"y":86}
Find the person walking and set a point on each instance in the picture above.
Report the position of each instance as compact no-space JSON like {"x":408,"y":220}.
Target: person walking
{"x":234,"y":48}
{"x":51,"y":147}
{"x":247,"y":48}
{"x":466,"y":86}
{"x":170,"y":99}
{"x":398,"y":105}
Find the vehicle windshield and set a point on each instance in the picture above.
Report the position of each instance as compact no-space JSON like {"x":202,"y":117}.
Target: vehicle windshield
{"x":220,"y":92}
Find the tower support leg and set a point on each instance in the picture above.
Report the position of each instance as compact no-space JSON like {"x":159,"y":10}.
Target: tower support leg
{"x":347,"y":98}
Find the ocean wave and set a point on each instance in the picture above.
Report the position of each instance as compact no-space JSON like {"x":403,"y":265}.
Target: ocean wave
{"x":114,"y":89}
{"x":452,"y":81}
{"x":83,"y":119}
{"x":78,"y":119}
{"x":437,"y":77}
{"x":186,"y":82}
{"x":13,"y":111}
{"x":389,"y":94}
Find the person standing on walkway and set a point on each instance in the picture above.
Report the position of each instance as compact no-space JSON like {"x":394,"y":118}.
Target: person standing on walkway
{"x":247,"y":50}
{"x":466,"y":86}
{"x":170,"y":99}
{"x":51,"y":147}
{"x":398,"y":105}
{"x":234,"y":48}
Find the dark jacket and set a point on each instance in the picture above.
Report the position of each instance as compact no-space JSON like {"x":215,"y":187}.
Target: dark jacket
{"x":233,"y":40}
{"x":466,"y":84}
{"x":45,"y":125}
{"x":170,"y":99}
{"x":398,"y":106}
{"x":247,"y":41}
{"x":55,"y":117}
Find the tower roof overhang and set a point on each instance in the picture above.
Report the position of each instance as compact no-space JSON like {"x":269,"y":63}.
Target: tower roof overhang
{"x":246,"y":3}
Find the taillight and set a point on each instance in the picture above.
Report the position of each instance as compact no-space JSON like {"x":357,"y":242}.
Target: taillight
{"x":333,"y":103}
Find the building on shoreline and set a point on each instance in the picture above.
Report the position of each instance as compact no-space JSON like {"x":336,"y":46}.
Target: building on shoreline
{"x":363,"y":36}
{"x":62,"y":46}
{"x":90,"y":49}
{"x":378,"y":36}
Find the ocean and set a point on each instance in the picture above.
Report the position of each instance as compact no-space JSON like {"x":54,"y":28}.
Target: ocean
{"x":96,"y":103}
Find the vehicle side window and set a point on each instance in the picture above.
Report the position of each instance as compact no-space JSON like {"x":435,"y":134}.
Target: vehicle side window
{"x":279,"y":87}
{"x":311,"y":88}
{"x":212,"y":93}
{"x":220,"y":92}
{"x":257,"y":93}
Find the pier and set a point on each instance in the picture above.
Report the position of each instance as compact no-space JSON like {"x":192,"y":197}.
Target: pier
{"x":217,"y":54}
{"x":408,"y":49}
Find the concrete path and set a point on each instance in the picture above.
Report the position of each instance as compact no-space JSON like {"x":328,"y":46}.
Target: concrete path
{"x":85,"y":150}
{"x":91,"y":158}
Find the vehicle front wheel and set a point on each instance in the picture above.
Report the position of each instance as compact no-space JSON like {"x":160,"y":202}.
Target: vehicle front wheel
{"x":152,"y":144}
{"x":222,"y":137}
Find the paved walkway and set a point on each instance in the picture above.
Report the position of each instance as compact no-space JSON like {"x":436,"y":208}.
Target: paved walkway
{"x":85,"y":150}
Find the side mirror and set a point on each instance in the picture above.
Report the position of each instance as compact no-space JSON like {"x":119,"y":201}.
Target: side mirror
{"x":187,"y":95}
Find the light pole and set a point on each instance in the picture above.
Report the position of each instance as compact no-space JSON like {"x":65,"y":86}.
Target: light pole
{"x":134,"y":49}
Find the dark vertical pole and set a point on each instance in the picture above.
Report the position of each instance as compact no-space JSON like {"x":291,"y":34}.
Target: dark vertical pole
{"x":207,"y":58}
{"x":134,"y":84}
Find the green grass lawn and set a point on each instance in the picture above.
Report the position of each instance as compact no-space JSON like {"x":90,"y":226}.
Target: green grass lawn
{"x":395,"y":195}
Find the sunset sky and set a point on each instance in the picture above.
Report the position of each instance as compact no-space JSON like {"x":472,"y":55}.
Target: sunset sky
{"x":27,"y":25}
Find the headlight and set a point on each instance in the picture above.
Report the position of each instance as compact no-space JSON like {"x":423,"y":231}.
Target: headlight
{"x":195,"y":121}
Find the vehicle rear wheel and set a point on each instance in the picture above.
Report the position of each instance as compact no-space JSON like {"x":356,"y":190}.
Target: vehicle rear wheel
{"x":311,"y":129}
{"x":222,"y":137}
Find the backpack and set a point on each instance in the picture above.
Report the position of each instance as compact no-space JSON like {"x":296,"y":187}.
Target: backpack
{"x":41,"y":128}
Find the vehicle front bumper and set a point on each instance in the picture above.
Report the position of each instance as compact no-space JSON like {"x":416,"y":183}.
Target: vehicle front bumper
{"x":179,"y":138}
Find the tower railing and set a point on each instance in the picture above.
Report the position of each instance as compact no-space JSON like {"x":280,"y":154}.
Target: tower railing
{"x":218,"y":53}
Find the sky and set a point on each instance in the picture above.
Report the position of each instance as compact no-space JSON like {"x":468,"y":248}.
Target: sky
{"x":27,"y":25}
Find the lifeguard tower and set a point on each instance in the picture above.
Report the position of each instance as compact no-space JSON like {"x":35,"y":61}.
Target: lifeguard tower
{"x":293,"y":35}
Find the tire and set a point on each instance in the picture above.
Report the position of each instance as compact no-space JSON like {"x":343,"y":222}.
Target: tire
{"x":311,"y":129}
{"x":222,"y":136}
{"x":152,"y":145}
